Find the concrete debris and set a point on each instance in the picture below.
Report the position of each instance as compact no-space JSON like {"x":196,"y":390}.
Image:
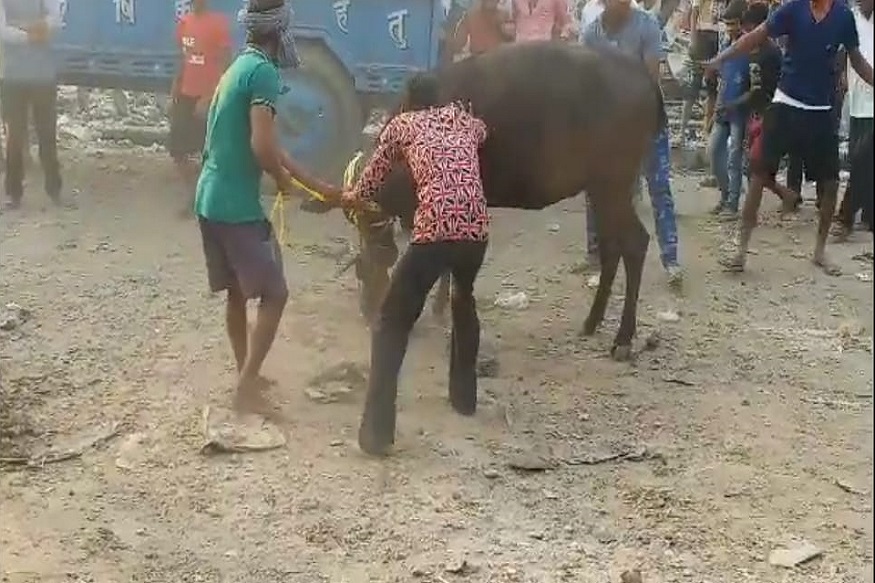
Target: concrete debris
{"x":512,"y":301}
{"x":795,"y":555}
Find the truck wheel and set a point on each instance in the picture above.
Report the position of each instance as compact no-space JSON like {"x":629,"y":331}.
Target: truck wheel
{"x":319,"y":118}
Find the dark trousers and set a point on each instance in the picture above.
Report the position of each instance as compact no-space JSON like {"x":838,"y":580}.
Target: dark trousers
{"x":414,"y":276}
{"x":794,"y":174}
{"x":795,"y":167}
{"x":858,"y":195}
{"x":19,"y":101}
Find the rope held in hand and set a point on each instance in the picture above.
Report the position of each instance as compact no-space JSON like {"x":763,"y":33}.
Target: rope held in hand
{"x":278,"y":214}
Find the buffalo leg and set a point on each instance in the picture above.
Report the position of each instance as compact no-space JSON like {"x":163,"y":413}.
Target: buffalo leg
{"x":633,"y":245}
{"x":442,"y":297}
{"x":609,"y":259}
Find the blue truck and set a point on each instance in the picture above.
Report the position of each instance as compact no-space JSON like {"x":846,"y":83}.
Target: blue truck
{"x":356,"y":56}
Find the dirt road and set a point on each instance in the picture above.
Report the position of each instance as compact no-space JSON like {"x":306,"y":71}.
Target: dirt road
{"x":744,"y":426}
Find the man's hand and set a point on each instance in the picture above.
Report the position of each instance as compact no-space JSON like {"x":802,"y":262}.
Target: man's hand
{"x":332,"y":194}
{"x":348,"y":201}
{"x":329,"y":192}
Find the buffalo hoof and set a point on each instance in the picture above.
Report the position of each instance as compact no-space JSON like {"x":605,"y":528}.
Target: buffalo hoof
{"x":371,"y":443}
{"x":621,"y":353}
{"x":588,"y":328}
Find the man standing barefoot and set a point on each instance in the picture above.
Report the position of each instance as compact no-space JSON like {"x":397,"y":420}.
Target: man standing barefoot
{"x":242,"y":254}
{"x":799,"y":120}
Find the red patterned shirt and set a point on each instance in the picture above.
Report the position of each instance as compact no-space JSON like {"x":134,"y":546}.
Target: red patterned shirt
{"x":440,"y":146}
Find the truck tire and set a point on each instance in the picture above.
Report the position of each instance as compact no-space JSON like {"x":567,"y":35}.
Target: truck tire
{"x":319,"y":118}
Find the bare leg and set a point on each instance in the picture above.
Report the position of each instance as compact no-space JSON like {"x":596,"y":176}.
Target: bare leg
{"x":749,"y":215}
{"x":235,"y":321}
{"x":827,"y":192}
{"x":788,"y":196}
{"x":250,"y":383}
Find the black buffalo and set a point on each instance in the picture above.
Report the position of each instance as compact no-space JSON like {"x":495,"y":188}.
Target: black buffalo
{"x":562,"y":119}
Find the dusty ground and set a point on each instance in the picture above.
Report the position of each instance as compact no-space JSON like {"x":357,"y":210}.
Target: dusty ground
{"x":747,"y":428}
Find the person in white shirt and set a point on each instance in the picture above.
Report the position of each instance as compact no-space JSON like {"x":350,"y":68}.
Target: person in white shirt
{"x":858,"y":195}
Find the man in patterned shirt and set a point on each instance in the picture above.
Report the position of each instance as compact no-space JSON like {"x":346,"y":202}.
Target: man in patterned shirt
{"x":450,"y":230}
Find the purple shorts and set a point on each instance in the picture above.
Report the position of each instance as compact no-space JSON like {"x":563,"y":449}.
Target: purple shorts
{"x":245,"y":256}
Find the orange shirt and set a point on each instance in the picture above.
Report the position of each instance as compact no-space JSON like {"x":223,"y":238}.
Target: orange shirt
{"x":481,"y":30}
{"x":205,"y":40}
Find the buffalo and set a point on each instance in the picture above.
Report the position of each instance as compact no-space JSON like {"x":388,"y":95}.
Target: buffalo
{"x":562,"y":119}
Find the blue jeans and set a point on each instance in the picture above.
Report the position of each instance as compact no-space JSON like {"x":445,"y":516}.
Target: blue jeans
{"x":726,"y":148}
{"x":657,"y":173}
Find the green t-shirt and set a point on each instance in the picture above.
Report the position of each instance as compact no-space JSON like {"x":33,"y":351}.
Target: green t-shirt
{"x":228,"y":187}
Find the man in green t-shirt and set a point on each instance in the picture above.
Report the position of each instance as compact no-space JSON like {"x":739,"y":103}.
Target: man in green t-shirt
{"x":242,"y":254}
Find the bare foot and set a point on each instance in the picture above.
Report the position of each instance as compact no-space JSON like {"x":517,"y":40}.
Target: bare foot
{"x":675,"y":277}
{"x":840,"y":232}
{"x":789,"y":213}
{"x":734,"y":263}
{"x":265,"y":382}
{"x":827,"y":266}
{"x":250,"y":397}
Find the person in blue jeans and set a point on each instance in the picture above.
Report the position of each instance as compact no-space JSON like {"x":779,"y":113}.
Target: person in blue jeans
{"x":726,"y":145}
{"x":635,"y":31}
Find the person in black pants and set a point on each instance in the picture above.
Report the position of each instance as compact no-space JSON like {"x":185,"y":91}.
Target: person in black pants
{"x":795,"y":169}
{"x":29,"y":86}
{"x":858,"y":195}
{"x":440,"y":145}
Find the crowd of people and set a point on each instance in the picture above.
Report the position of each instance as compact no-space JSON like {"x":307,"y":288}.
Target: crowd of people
{"x":738,"y":94}
{"x":762,"y":104}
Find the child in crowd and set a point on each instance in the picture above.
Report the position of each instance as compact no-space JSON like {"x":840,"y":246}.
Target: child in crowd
{"x":726,"y":145}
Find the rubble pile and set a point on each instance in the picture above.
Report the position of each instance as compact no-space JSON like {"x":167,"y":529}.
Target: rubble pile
{"x":103,"y":118}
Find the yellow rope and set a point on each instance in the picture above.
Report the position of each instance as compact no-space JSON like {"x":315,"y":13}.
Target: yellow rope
{"x":278,"y":214}
{"x":351,"y":168}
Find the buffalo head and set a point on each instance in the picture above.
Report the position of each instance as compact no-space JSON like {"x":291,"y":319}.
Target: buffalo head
{"x":378,"y":251}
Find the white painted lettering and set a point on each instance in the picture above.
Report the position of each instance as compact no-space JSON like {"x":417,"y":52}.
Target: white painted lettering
{"x":124,"y":11}
{"x":341,"y":15}
{"x":398,"y":27}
